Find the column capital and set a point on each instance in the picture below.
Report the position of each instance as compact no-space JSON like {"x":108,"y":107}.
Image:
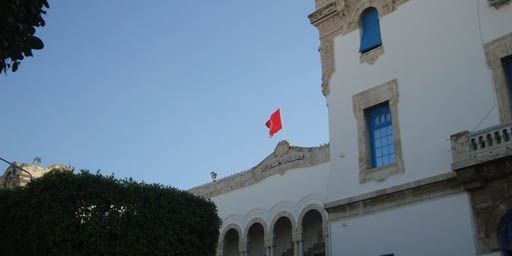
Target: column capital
{"x":242,"y":244}
{"x":297,"y":236}
{"x":269,"y":242}
{"x":220,"y":249}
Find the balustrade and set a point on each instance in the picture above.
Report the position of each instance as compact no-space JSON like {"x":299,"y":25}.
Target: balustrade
{"x":469,"y":148}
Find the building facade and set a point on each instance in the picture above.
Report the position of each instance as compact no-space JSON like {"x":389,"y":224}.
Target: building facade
{"x":419,"y":155}
{"x":276,"y":207}
{"x":419,"y":160}
{"x":400,"y":77}
{"x":19,"y":174}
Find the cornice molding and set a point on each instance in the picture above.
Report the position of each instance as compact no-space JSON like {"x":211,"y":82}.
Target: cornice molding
{"x":394,"y":197}
{"x":283,"y":159}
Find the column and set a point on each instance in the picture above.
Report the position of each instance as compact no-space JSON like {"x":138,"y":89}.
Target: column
{"x":242,"y":246}
{"x":325,"y":231}
{"x":269,"y":245}
{"x":297,"y":242}
{"x":220,"y":249}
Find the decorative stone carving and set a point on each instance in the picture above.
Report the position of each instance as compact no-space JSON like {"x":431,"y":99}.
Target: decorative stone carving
{"x":283,"y":159}
{"x":321,"y":3}
{"x":282,"y":148}
{"x":489,"y":205}
{"x":482,"y":161}
{"x":340,"y":17}
{"x":490,"y":187}
{"x":327,"y":59}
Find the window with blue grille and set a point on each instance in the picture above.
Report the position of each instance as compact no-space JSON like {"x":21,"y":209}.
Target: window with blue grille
{"x":380,"y":127}
{"x":370,"y":30}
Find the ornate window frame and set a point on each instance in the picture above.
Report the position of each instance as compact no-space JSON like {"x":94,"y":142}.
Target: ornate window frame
{"x":495,"y":51}
{"x":387,"y":92}
{"x":333,"y":18}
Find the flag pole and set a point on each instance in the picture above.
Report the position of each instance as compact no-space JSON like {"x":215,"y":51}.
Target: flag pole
{"x":284,"y":126}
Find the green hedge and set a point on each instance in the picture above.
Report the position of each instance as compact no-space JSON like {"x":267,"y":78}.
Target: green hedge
{"x":64,"y":213}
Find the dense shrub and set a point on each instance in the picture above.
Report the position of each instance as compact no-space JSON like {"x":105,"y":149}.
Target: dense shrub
{"x":64,"y":213}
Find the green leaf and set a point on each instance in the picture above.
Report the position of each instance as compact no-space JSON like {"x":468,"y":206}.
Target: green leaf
{"x":15,"y":66}
{"x":35,"y":43}
{"x":27,"y":52}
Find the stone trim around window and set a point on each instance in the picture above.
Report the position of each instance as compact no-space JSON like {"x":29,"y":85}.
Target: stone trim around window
{"x":495,"y":51}
{"x":387,"y":92}
{"x":371,"y":56}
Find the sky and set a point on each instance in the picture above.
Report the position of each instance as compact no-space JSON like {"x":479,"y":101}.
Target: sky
{"x":165,"y":91}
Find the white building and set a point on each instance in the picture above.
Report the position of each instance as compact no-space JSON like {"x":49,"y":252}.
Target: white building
{"x":276,"y":207}
{"x":419,"y":159}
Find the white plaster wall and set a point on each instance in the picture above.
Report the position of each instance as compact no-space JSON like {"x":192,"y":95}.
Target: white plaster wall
{"x":434,"y":49}
{"x":439,"y":227}
{"x":494,"y":22}
{"x":274,"y":194}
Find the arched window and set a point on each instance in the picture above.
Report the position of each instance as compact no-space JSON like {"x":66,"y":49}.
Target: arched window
{"x":370,"y":30}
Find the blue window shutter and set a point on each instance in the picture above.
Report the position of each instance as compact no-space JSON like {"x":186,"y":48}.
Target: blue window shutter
{"x":507,"y":66}
{"x":370,"y":34}
{"x":382,"y":145}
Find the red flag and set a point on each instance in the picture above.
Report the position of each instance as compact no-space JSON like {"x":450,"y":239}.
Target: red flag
{"x":274,"y":123}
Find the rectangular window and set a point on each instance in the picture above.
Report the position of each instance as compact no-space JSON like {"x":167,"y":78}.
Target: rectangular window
{"x":380,"y":129}
{"x":378,"y":133}
{"x":507,"y":66}
{"x":498,"y":54}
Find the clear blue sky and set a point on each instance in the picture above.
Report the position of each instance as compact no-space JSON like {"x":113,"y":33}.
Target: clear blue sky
{"x":165,"y":91}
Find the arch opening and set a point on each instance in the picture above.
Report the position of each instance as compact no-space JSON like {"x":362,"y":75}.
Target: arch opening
{"x":312,"y":234}
{"x":231,"y":241}
{"x":256,"y":240}
{"x":283,"y":236}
